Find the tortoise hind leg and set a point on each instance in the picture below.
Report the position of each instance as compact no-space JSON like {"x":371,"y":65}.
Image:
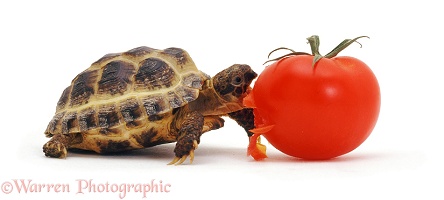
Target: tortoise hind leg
{"x":189,"y":137}
{"x":57,"y":146}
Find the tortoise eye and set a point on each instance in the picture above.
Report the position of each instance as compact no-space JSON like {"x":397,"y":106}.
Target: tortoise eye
{"x":237,"y":80}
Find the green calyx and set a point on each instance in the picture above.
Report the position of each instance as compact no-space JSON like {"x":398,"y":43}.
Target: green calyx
{"x":314,"y":44}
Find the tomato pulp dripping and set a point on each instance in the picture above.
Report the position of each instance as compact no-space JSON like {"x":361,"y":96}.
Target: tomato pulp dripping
{"x":255,"y":148}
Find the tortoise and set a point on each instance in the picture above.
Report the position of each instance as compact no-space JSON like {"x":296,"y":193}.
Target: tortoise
{"x":145,"y":97}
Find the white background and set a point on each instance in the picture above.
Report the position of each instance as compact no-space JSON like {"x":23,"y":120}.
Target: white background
{"x":44,"y":44}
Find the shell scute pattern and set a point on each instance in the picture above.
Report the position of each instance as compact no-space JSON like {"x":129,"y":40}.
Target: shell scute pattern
{"x":87,"y":120}
{"x":139,"y":51}
{"x":154,"y":74}
{"x":155,"y":104}
{"x":123,"y":92}
{"x":116,"y":77}
{"x":111,"y":146}
{"x":83,"y":87}
{"x":131,"y":112}
{"x":64,"y":98}
{"x":108,"y":117}
{"x":69,"y":123}
{"x":54,"y":124}
{"x":106,"y":58}
{"x":174,"y":100}
{"x":148,"y":138}
{"x":177,"y":53}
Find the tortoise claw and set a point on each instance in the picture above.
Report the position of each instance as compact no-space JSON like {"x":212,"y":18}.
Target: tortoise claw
{"x":195,"y":144}
{"x":178,"y":161}
{"x":181,"y":160}
{"x":174,"y":161}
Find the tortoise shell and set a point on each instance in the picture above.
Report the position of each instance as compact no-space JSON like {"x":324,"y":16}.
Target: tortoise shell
{"x":128,"y":96}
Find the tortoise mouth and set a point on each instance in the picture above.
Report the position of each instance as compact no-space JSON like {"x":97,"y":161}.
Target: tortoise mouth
{"x":246,"y":93}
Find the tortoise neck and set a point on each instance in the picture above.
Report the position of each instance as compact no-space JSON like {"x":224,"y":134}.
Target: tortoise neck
{"x":210,"y":102}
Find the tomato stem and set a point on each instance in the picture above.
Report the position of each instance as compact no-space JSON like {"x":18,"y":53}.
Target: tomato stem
{"x":314,"y":45}
{"x":344,"y":44}
{"x":293,"y":53}
{"x":280,"y":48}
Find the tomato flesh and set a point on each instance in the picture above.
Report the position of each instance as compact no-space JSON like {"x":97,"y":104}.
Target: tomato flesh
{"x":316,"y":112}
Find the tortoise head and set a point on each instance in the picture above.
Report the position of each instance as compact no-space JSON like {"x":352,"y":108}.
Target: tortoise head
{"x":233,"y":83}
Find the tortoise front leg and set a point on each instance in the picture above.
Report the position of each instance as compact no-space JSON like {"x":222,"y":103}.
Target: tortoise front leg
{"x":244,"y":118}
{"x":212,"y":123}
{"x":190,"y":131}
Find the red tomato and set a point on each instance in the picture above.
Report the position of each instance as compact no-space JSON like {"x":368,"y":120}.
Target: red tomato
{"x":318,"y":112}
